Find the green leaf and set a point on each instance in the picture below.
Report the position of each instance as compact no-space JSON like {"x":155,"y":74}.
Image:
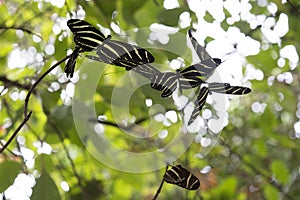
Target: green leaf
{"x":8,"y":172}
{"x":44,"y":162}
{"x":270,"y":193}
{"x":280,"y":171}
{"x":45,"y":188}
{"x":171,"y":17}
{"x":147,"y":14}
{"x":49,"y":100}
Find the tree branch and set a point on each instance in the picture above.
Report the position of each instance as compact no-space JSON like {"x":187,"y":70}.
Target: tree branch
{"x":33,"y":86}
{"x":293,"y":7}
{"x":20,"y":28}
{"x":26,"y":118}
{"x":7,"y":83}
{"x":160,"y":186}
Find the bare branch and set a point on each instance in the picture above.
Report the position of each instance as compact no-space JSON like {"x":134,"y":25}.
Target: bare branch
{"x":293,"y":7}
{"x":7,"y":83}
{"x":160,"y":186}
{"x":20,"y":28}
{"x":26,"y":118}
{"x":33,"y":86}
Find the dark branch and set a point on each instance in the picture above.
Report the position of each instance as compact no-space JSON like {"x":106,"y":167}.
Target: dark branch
{"x":160,"y":186}
{"x":33,"y":86}
{"x":7,"y":83}
{"x":293,"y":7}
{"x":127,"y":128}
{"x":26,"y":118}
{"x":20,"y":28}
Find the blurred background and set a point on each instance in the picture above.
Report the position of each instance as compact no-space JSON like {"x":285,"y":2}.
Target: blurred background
{"x":249,"y":150}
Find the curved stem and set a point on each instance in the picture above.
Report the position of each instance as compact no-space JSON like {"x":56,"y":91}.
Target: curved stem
{"x":26,"y":118}
{"x":33,"y":86}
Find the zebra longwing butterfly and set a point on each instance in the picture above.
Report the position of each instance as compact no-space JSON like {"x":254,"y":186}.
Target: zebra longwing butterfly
{"x":180,"y":176}
{"x":88,"y":38}
{"x":86,"y":35}
{"x":167,"y":81}
{"x":207,"y":64}
{"x":122,"y":54}
{"x":224,"y":88}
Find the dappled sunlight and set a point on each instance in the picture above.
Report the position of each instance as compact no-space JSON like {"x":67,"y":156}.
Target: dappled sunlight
{"x":100,"y":125}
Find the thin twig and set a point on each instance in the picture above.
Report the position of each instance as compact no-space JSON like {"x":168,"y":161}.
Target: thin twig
{"x":160,"y":186}
{"x":128,"y":128}
{"x":293,"y":7}
{"x":7,"y":83}
{"x":60,"y":135}
{"x":7,"y":149}
{"x":38,"y":81}
{"x":277,"y":185}
{"x":20,"y":28}
{"x":26,"y":118}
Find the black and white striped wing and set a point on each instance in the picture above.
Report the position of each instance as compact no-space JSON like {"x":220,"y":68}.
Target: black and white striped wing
{"x":165,"y":82}
{"x":114,"y":52}
{"x":86,"y":35}
{"x":226,"y":88}
{"x":128,"y":64}
{"x":206,"y":67}
{"x":70,"y":66}
{"x":180,"y":176}
{"x":147,"y":71}
{"x":199,"y":103}
{"x":200,"y":50}
{"x":207,"y":64}
{"x":122,"y":54}
{"x":189,"y":78}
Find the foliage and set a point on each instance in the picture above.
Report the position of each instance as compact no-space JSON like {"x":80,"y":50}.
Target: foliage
{"x":256,"y":156}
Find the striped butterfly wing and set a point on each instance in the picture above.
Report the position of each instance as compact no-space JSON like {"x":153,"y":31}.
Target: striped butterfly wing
{"x":147,"y":71}
{"x":180,"y":176}
{"x":199,"y":103}
{"x":86,"y":35}
{"x":118,"y":52}
{"x":207,"y":64}
{"x":165,"y":82}
{"x":226,"y":88}
{"x":128,"y":64}
{"x":70,"y":66}
{"x":200,"y":50}
{"x":206,"y":67}
{"x":189,"y":78}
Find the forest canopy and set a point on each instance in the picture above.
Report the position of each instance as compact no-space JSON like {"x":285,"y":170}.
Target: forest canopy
{"x":108,"y":132}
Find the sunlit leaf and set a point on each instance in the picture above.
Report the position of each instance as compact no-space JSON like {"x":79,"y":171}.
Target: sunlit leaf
{"x":280,"y":171}
{"x":270,"y":192}
{"x":45,"y":188}
{"x":8,"y":172}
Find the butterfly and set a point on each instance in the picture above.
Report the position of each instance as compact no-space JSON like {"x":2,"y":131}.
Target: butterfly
{"x":167,"y":81}
{"x":224,"y":88}
{"x":207,"y":64}
{"x":122,"y":54}
{"x":180,"y":176}
{"x":189,"y":77}
{"x":86,"y":38}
